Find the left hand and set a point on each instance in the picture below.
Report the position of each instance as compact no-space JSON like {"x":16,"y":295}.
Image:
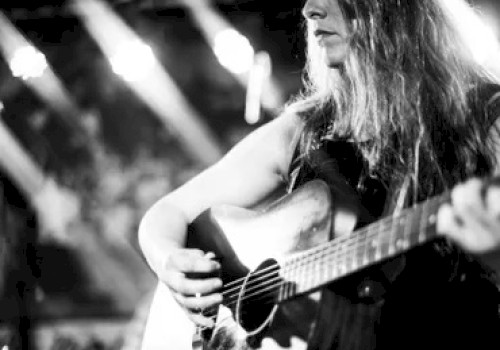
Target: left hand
{"x":472,"y":219}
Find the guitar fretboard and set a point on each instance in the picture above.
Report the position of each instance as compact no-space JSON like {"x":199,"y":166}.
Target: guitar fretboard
{"x":380,"y":240}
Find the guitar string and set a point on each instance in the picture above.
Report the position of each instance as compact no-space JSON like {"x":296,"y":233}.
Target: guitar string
{"x":327,"y":249}
{"x":338,"y":255}
{"x":300,"y":257}
{"x":270,"y":290}
{"x":352,"y":236}
{"x":297,"y":256}
{"x":332,"y":260}
{"x":262,"y":293}
{"x":292,"y":265}
{"x":381,"y":225}
{"x":343,"y":252}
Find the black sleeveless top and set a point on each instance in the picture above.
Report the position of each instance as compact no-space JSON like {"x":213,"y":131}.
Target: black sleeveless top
{"x":434,"y":296}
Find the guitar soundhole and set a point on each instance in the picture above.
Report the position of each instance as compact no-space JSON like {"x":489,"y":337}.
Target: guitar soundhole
{"x":259,"y":296}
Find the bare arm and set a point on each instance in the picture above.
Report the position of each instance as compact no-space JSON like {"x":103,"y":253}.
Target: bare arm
{"x":253,"y":169}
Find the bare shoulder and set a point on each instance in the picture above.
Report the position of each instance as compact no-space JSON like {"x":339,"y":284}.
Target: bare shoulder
{"x":272,"y":144}
{"x":250,"y":171}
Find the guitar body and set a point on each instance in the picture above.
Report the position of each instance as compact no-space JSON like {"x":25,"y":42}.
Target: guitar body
{"x":247,"y":242}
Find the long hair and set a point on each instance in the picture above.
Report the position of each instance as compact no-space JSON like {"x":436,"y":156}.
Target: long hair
{"x":403,"y":95}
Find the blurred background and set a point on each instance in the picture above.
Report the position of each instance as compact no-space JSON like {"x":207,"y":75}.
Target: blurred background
{"x":104,"y":107}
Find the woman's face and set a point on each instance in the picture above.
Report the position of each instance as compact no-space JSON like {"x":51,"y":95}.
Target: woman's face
{"x":329,"y":28}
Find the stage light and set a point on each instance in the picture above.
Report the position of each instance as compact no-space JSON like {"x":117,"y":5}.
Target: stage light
{"x":27,"y":63}
{"x":234,"y":51}
{"x":257,"y":80}
{"x":133,"y":60}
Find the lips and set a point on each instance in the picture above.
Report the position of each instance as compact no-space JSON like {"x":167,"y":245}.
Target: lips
{"x":327,"y":37}
{"x":323,"y":32}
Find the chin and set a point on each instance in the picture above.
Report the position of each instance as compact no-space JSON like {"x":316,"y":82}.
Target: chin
{"x":335,"y":59}
{"x":334,"y":63}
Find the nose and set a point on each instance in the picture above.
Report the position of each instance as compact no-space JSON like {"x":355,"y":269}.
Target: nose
{"x":314,"y":9}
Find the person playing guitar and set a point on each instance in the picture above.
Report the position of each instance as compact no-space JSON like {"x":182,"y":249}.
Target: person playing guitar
{"x":395,"y":112}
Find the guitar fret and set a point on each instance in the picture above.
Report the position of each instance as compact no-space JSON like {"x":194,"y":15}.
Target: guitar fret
{"x":311,"y":271}
{"x":292,"y":279}
{"x":423,"y":219}
{"x":297,"y":276}
{"x":383,"y":242}
{"x":349,"y":263}
{"x":371,"y":243}
{"x":362,"y":244}
{"x":281,"y":293}
{"x":312,"y":268}
{"x":289,"y":292}
{"x":343,"y":253}
{"x":400,"y":241}
{"x":368,"y":258}
{"x":387,"y":237}
{"x":320,"y":266}
{"x":392,"y":242}
{"x":378,"y":243}
{"x":327,"y":263}
{"x":406,"y":233}
{"x":395,"y":235}
{"x":346,"y":251}
{"x":435,"y":203}
{"x":355,"y":261}
{"x":337,"y":260}
{"x":331,"y":262}
{"x":304,"y":277}
{"x":316,"y":272}
{"x":413,"y":227}
{"x":360,"y":253}
{"x":286,"y":277}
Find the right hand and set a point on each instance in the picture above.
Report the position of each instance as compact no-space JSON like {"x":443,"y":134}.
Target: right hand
{"x":193,"y":294}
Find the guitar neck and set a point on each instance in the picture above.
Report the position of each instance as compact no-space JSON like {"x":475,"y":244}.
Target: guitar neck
{"x":372,"y":244}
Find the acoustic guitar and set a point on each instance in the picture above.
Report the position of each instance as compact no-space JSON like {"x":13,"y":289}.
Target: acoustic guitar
{"x":274,"y":263}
